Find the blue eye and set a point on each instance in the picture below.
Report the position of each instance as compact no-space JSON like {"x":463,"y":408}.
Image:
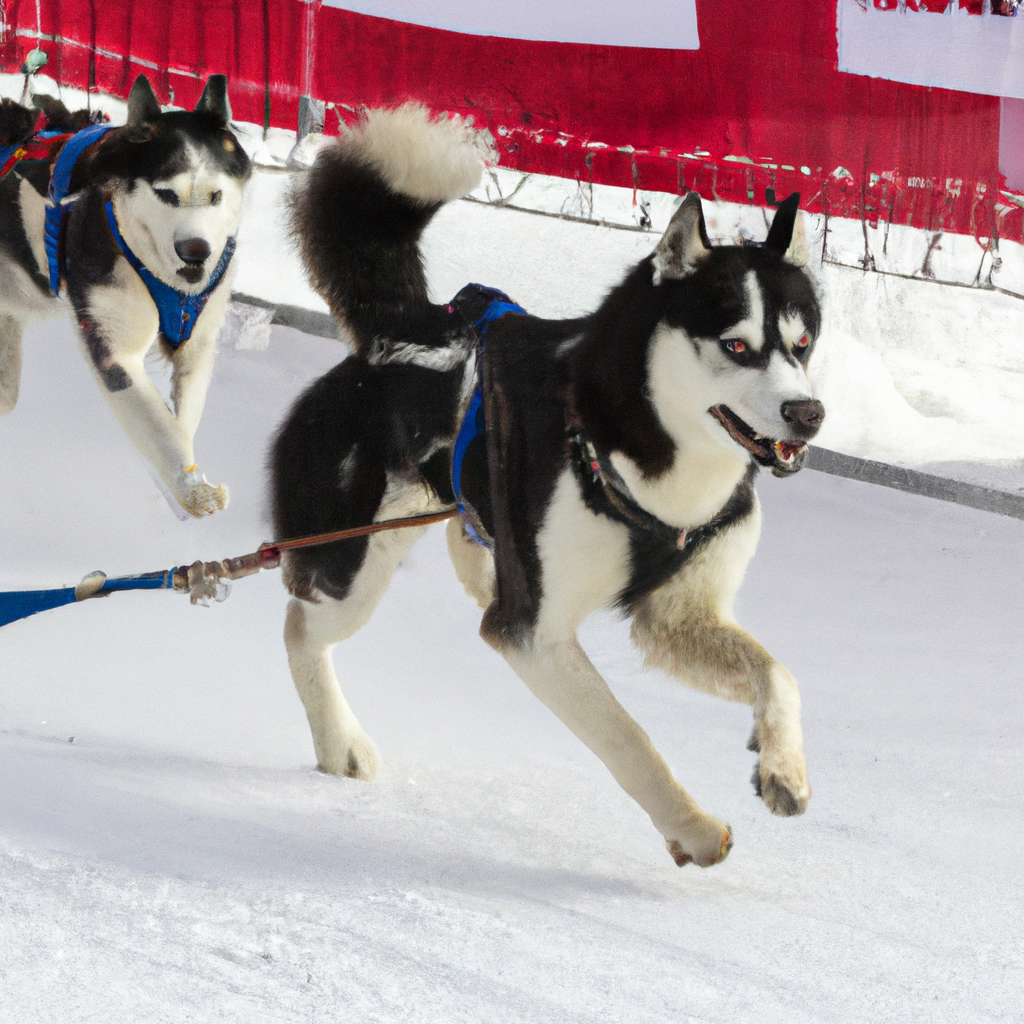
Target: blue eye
{"x":734,"y":345}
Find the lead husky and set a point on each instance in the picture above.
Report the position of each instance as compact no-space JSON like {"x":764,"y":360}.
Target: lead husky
{"x":170,"y":185}
{"x":617,"y":467}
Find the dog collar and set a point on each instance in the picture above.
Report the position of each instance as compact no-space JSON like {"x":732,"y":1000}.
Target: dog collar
{"x":60,"y":184}
{"x":178,"y":310}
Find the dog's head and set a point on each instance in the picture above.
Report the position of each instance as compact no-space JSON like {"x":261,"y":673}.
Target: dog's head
{"x":176,"y":179}
{"x":738,"y":328}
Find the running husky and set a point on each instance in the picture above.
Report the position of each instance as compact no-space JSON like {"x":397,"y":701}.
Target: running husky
{"x":616,"y":467}
{"x":143,"y":251}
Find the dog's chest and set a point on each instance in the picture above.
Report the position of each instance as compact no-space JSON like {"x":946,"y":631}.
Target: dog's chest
{"x":584,"y":560}
{"x":690,"y":493}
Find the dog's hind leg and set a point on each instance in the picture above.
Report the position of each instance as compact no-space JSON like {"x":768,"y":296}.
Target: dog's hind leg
{"x":10,"y":362}
{"x":312,"y":628}
{"x":686,"y":628}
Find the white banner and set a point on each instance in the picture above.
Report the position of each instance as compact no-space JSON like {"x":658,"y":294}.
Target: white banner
{"x":656,"y":24}
{"x":971,"y":53}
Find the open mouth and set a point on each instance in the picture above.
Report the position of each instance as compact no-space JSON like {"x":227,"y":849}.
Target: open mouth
{"x":191,"y":273}
{"x":781,"y":457}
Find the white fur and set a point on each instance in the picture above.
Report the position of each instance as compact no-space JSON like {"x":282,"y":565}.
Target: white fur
{"x":590,"y":550}
{"x":430,"y":357}
{"x":751,"y":328}
{"x":434,"y":160}
{"x":689,"y":376}
{"x":151,"y":227}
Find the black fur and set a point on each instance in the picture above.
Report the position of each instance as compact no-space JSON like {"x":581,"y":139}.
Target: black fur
{"x":16,"y":122}
{"x":332,"y":457}
{"x":542,"y":381}
{"x":13,"y":240}
{"x":359,"y":243}
{"x":710,"y":300}
{"x":155,"y":151}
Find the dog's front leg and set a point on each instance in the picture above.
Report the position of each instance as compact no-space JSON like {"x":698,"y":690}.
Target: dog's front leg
{"x":145,"y":418}
{"x":192,"y":362}
{"x":116,"y":344}
{"x":562,"y":676}
{"x":683,"y":629}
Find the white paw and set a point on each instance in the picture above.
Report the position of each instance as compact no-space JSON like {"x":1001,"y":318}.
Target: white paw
{"x":703,"y":841}
{"x":361,"y":760}
{"x":780,"y":780}
{"x":201,"y":498}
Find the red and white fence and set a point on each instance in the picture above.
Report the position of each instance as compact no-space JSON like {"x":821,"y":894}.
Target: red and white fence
{"x":760,"y":108}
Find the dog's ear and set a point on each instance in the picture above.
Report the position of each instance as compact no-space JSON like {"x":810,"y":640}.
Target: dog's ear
{"x":787,"y":236}
{"x":214,"y":100}
{"x":685,"y":242}
{"x":143,"y":106}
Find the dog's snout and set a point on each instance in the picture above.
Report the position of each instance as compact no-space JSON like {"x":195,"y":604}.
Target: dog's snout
{"x":806,"y":414}
{"x":192,"y":250}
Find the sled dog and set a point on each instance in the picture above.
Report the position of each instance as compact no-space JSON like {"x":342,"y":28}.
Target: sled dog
{"x":135,"y":225}
{"x":614,"y":466}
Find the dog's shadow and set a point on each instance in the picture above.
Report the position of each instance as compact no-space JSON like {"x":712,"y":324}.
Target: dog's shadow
{"x":179,"y":818}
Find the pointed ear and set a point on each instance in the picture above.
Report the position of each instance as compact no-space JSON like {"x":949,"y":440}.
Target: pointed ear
{"x":143,"y":105}
{"x":214,"y":100}
{"x":685,"y":242}
{"x":784,"y":229}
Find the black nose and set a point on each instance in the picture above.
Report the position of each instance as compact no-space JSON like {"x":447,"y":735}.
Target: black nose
{"x":807,"y":414}
{"x":192,"y":250}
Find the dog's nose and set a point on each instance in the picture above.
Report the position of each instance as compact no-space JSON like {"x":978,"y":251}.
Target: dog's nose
{"x":806,"y":413}
{"x":192,"y":250}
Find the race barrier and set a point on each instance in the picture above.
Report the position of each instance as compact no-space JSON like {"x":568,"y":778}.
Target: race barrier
{"x":760,"y":108}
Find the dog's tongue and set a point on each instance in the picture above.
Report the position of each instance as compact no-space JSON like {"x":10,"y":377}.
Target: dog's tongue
{"x":787,"y":450}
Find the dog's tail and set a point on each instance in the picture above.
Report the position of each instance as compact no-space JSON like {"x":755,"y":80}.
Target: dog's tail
{"x":359,"y":211}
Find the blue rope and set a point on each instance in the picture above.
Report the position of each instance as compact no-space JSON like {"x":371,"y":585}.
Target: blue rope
{"x":19,"y":604}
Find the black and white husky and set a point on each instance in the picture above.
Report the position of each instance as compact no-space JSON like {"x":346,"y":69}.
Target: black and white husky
{"x":142,"y":252}
{"x":616,"y":468}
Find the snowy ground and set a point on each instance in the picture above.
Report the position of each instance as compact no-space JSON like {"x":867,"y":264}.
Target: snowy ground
{"x":167,"y":854}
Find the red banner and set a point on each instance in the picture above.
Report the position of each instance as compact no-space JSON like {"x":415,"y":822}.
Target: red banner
{"x":760,"y":106}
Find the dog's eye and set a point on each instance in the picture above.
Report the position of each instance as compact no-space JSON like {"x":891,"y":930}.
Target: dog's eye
{"x":215,"y":198}
{"x":165,"y":195}
{"x":734,"y":345}
{"x":805,"y":340}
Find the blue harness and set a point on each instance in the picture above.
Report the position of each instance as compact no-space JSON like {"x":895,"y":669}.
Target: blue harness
{"x":178,"y":311}
{"x":474,"y":423}
{"x":60,"y":185}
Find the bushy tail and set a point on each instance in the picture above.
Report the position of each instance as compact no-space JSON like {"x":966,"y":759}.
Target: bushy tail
{"x":359,"y":211}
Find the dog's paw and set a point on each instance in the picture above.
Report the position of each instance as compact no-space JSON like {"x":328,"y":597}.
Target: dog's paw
{"x":360,"y":761}
{"x":706,"y":844}
{"x":201,"y":498}
{"x":780,"y":780}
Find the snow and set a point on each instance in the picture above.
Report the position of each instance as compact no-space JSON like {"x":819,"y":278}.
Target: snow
{"x":168,"y":854}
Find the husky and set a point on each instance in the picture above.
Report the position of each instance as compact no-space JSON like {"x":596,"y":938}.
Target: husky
{"x":136,"y":226}
{"x":615,"y":466}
